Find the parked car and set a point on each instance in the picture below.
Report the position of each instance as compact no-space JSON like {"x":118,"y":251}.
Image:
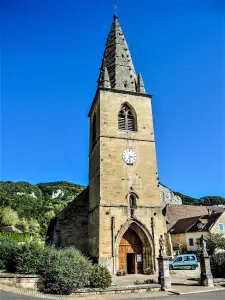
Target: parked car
{"x":183,"y":261}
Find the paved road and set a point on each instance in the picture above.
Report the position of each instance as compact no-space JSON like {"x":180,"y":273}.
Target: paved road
{"x":217,"y":295}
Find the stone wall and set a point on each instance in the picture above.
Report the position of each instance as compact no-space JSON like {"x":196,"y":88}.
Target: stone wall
{"x":71,"y":225}
{"x":179,"y":238}
{"x":31,"y":282}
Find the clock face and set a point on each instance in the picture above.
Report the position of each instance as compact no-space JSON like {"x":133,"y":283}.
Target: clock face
{"x":129,"y":156}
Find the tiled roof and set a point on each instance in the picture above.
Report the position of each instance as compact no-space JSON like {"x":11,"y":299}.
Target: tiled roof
{"x":189,"y":218}
{"x":210,"y":221}
{"x":175,"y":212}
{"x":183,"y":225}
{"x":10,"y":229}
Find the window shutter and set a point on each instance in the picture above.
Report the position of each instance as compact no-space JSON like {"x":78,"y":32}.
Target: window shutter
{"x":121,"y":123}
{"x":130,"y":123}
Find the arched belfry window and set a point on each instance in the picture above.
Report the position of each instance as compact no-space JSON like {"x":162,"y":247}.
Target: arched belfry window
{"x":94,"y":125}
{"x":126,"y":119}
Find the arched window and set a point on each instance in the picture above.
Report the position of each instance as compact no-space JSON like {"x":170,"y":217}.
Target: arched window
{"x":126,"y":119}
{"x":94,"y":130}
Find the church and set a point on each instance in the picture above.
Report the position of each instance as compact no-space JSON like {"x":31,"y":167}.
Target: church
{"x":117,"y":220}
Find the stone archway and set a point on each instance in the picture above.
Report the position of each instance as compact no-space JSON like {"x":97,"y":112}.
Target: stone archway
{"x":148,"y":255}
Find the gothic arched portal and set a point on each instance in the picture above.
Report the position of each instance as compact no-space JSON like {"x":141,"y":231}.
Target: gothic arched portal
{"x":134,"y":249}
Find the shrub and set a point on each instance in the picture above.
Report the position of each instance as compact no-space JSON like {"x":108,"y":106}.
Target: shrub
{"x":28,"y":257}
{"x":16,"y":236}
{"x":64,"y":270}
{"x":218,"y":265}
{"x":100,"y":277}
{"x":8,"y":248}
{"x":214,"y":241}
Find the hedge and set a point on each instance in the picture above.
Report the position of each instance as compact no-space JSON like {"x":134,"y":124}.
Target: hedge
{"x":63,"y":270}
{"x":16,"y":236}
{"x":217,"y":262}
{"x":100,"y":277}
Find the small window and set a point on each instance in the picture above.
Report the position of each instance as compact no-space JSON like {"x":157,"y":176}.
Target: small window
{"x":191,"y":242}
{"x":221,"y":227}
{"x":178,"y":259}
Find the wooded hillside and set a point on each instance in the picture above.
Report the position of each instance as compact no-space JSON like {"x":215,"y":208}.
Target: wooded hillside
{"x":35,"y":204}
{"x":30,"y":207}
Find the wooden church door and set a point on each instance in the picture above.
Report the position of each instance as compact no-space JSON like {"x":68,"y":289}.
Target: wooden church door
{"x":130,"y":253}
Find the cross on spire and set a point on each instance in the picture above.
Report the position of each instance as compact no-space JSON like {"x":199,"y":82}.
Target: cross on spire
{"x":115,"y":7}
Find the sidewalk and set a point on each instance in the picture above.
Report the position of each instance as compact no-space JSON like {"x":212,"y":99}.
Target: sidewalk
{"x":182,"y":283}
{"x":120,"y":296}
{"x":176,"y":290}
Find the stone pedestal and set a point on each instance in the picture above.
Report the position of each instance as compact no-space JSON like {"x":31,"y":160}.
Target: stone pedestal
{"x":164,"y":274}
{"x":206,"y":278}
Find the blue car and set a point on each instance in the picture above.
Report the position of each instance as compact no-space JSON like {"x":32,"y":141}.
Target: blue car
{"x":184,"y":261}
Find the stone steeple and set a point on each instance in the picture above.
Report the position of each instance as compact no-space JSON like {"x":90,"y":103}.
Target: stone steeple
{"x":117,"y":70}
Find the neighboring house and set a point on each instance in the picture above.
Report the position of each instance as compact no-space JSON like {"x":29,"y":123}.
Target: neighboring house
{"x":10,"y":229}
{"x":186,"y":224}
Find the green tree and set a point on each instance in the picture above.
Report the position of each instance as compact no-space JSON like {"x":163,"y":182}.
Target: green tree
{"x":23,"y":224}
{"x":34,"y":226}
{"x":8,"y":216}
{"x":214,"y":241}
{"x":37,"y":201}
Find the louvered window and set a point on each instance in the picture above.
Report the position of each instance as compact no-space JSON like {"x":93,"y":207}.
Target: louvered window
{"x":126,"y":120}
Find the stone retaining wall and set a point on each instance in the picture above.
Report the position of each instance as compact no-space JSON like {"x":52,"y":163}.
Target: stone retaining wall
{"x":120,"y":289}
{"x":34,"y":282}
{"x":31,"y":282}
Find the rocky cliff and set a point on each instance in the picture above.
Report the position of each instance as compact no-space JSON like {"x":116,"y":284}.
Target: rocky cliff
{"x":168,"y":197}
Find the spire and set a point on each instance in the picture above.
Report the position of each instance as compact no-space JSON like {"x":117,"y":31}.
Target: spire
{"x":103,"y":80}
{"x":117,"y":61}
{"x":140,"y":84}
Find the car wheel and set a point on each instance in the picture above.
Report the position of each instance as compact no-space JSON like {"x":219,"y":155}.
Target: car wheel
{"x":193,"y":267}
{"x":170,"y":267}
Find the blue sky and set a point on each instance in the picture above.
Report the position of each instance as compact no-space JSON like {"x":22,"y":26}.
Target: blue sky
{"x":51,"y":54}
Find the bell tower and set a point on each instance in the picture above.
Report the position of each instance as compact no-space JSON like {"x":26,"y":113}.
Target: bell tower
{"x":124,"y":198}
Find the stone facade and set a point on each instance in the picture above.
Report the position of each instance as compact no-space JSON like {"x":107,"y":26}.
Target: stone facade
{"x":110,"y":179}
{"x":122,"y":197}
